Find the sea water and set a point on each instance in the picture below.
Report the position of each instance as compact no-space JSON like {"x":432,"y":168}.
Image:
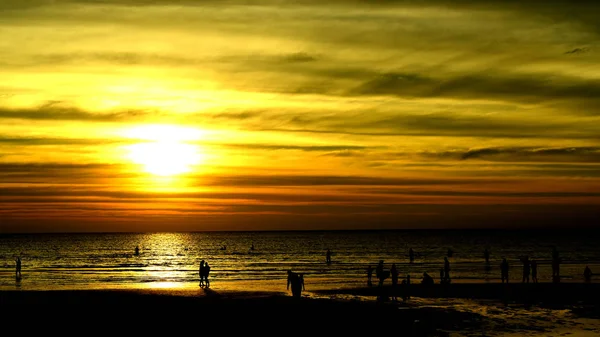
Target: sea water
{"x":108,"y":260}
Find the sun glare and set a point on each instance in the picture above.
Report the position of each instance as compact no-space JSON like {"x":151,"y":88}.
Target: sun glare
{"x":165,"y":152}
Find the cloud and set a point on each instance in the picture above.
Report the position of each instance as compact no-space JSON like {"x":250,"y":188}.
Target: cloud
{"x":577,"y":51}
{"x":565,"y":154}
{"x":54,"y":110}
{"x":520,"y":88}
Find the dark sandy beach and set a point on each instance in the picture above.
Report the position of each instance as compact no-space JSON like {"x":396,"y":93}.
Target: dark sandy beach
{"x":275,"y":313}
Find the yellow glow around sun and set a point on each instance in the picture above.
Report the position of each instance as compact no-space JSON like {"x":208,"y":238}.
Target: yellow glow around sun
{"x":165,"y":153}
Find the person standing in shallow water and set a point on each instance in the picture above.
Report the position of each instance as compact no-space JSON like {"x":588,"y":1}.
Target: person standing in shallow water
{"x":446,"y":270}
{"x":201,"y":273}
{"x":555,"y":265}
{"x":504,"y":270}
{"x":18,"y":267}
{"x":328,"y":256}
{"x":526,"y":268}
{"x":296,"y":282}
{"x":369,"y":276}
{"x":206,"y":274}
{"x":394,"y":275}
{"x":587,"y":274}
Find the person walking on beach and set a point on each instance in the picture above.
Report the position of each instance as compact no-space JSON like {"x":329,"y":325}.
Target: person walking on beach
{"x":328,"y":256}
{"x":504,"y":270}
{"x":369,"y":276}
{"x":534,"y":278}
{"x":394,"y":275}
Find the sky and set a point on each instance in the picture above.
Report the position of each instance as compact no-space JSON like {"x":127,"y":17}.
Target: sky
{"x":182,"y":115}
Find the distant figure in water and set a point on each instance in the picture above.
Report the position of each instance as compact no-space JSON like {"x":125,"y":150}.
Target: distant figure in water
{"x":555,"y":265}
{"x":411,"y":255}
{"x":504,"y":270}
{"x":294,"y":280}
{"x":394,"y":275}
{"x":369,"y":276}
{"x":137,"y":250}
{"x":446,"y":270}
{"x":526,"y":268}
{"x":18,"y":268}
{"x":587,"y":274}
{"x":486,"y":255}
{"x":450,"y":252}
{"x":252,"y":247}
{"x":427,"y":280}
{"x":534,"y":278}
{"x":328,"y":256}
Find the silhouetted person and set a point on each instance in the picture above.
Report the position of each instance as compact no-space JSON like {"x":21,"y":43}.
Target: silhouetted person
{"x":587,"y":274}
{"x":555,"y":265}
{"x":369,"y":276}
{"x":442,"y":278}
{"x":201,"y":273}
{"x":137,"y":250}
{"x":446,"y":270}
{"x":18,"y":267}
{"x":406,"y":293}
{"x":411,"y":255}
{"x":504,"y":270}
{"x":379,"y":272}
{"x":206,"y":274}
{"x":427,"y":280}
{"x":534,"y":278}
{"x":526,"y":268}
{"x":293,"y":279}
{"x":328,"y":256}
{"x":486,"y":256}
{"x":394,"y":275}
{"x":450,"y":252}
{"x":301,"y":279}
{"x":252,"y":247}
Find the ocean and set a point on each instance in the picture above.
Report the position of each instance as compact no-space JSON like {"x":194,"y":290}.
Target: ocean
{"x":108,"y":260}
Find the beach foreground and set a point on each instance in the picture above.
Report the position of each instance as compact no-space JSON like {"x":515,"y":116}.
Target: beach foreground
{"x":333,"y":311}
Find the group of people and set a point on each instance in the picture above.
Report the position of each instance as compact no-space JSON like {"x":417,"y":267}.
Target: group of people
{"x":203,"y":272}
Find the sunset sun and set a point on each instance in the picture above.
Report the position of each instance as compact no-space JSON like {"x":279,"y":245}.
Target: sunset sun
{"x":165,"y":151}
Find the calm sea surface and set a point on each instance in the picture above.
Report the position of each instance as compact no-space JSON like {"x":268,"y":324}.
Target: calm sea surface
{"x":75,"y":261}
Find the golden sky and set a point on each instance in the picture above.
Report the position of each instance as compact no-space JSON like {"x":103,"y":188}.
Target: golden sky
{"x":177,"y":115}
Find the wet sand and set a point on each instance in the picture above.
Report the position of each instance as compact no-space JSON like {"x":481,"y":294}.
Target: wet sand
{"x":457,"y":309}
